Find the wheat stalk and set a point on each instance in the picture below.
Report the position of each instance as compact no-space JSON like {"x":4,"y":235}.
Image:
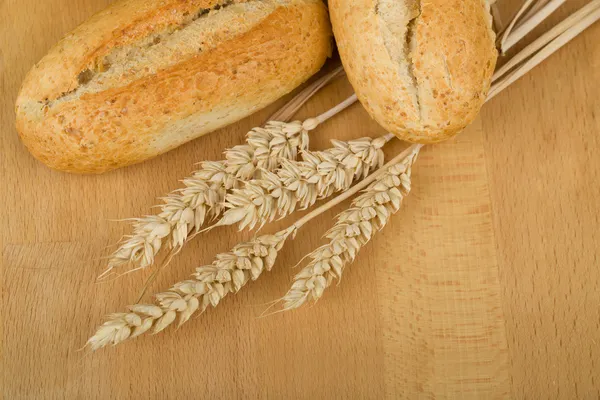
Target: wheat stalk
{"x":355,"y":227}
{"x":298,"y":185}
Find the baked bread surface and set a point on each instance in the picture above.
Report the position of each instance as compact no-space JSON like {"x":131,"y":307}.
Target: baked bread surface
{"x":422,"y":69}
{"x":145,"y":76}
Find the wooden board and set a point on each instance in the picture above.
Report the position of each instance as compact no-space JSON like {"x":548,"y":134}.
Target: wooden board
{"x":485,"y":285}
{"x":541,"y":139}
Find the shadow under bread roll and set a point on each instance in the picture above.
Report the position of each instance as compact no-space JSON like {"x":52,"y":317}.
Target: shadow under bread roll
{"x":145,"y":76}
{"x":422,"y":69}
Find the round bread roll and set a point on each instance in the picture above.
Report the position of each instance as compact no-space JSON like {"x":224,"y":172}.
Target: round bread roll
{"x":145,"y":76}
{"x":422,"y":69}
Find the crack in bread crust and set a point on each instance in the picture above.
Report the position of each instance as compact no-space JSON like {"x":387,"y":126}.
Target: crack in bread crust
{"x":397,"y":20}
{"x":411,"y":45}
{"x":172,"y":45}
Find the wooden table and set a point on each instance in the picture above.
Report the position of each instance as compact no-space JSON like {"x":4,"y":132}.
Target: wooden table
{"x":485,"y":285}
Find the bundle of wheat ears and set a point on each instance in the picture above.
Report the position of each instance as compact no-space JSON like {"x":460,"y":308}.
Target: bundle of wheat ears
{"x":274,"y":174}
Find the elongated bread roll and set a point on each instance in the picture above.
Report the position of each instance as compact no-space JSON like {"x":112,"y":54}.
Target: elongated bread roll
{"x":145,"y":76}
{"x":422,"y":69}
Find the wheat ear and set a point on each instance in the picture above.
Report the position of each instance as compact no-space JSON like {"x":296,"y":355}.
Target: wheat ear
{"x":202,"y":197}
{"x":299,"y":184}
{"x":210,"y":284}
{"x":186,"y":210}
{"x":354,"y":228}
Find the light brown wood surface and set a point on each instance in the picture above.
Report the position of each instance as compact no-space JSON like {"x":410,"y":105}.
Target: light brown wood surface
{"x":485,"y":285}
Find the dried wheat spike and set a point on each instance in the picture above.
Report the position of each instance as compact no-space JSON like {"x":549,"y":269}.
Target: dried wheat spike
{"x":369,"y":213}
{"x":228,"y":273}
{"x":299,"y":184}
{"x":186,"y":210}
{"x":210,"y":284}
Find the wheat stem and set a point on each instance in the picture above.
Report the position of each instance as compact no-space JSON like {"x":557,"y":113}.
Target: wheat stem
{"x":507,"y":32}
{"x":337,"y":109}
{"x":569,"y":22}
{"x":546,"y":46}
{"x":532,"y":11}
{"x":286,"y":112}
{"x":520,"y":27}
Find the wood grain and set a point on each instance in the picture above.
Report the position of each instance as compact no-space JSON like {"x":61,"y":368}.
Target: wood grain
{"x":484,"y":286}
{"x":541,"y":141}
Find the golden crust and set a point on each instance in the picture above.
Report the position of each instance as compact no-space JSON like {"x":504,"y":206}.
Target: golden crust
{"x":117,"y":25}
{"x":119,"y":126}
{"x":449,"y":55}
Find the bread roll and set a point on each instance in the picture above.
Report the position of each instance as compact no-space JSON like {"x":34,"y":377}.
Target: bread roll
{"x":422,"y":69}
{"x":145,"y":76}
